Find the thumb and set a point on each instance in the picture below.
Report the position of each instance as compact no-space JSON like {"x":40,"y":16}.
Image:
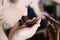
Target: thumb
{"x":34,"y":29}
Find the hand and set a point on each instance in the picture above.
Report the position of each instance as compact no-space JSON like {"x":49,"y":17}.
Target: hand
{"x":43,"y":15}
{"x":38,"y":12}
{"x":23,"y":32}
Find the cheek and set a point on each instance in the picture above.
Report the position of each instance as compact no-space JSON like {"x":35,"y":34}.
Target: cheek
{"x":17,"y":9}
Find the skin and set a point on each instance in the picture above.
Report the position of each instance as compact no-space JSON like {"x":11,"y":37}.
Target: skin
{"x":18,"y":9}
{"x":13,"y":12}
{"x":23,"y":31}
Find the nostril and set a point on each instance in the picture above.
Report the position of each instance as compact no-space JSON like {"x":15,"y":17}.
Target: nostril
{"x":13,"y":1}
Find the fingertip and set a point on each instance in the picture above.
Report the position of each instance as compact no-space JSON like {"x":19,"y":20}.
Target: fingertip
{"x":38,"y":22}
{"x":33,"y":18}
{"x":36,"y":25}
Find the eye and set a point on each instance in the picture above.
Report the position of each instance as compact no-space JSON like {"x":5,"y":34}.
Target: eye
{"x":13,"y":1}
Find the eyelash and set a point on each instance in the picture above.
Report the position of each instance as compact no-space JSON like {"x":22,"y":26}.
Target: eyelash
{"x":13,"y":1}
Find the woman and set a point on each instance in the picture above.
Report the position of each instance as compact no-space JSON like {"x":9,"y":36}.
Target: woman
{"x":13,"y":11}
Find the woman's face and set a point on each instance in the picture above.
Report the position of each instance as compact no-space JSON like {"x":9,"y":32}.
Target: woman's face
{"x":13,"y":11}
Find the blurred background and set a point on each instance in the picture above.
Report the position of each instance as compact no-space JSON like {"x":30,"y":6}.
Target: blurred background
{"x":50,"y":27}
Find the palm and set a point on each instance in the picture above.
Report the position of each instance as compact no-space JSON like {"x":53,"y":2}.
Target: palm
{"x":23,"y":32}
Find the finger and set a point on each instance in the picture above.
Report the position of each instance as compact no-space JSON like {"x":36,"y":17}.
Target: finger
{"x":28,"y":20}
{"x":38,"y":22}
{"x":34,"y":18}
{"x":43,"y":17}
{"x":32,"y":22}
{"x":34,"y":28}
{"x":45,"y":14}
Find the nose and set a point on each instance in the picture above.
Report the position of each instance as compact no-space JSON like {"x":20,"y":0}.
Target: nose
{"x":25,"y":13}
